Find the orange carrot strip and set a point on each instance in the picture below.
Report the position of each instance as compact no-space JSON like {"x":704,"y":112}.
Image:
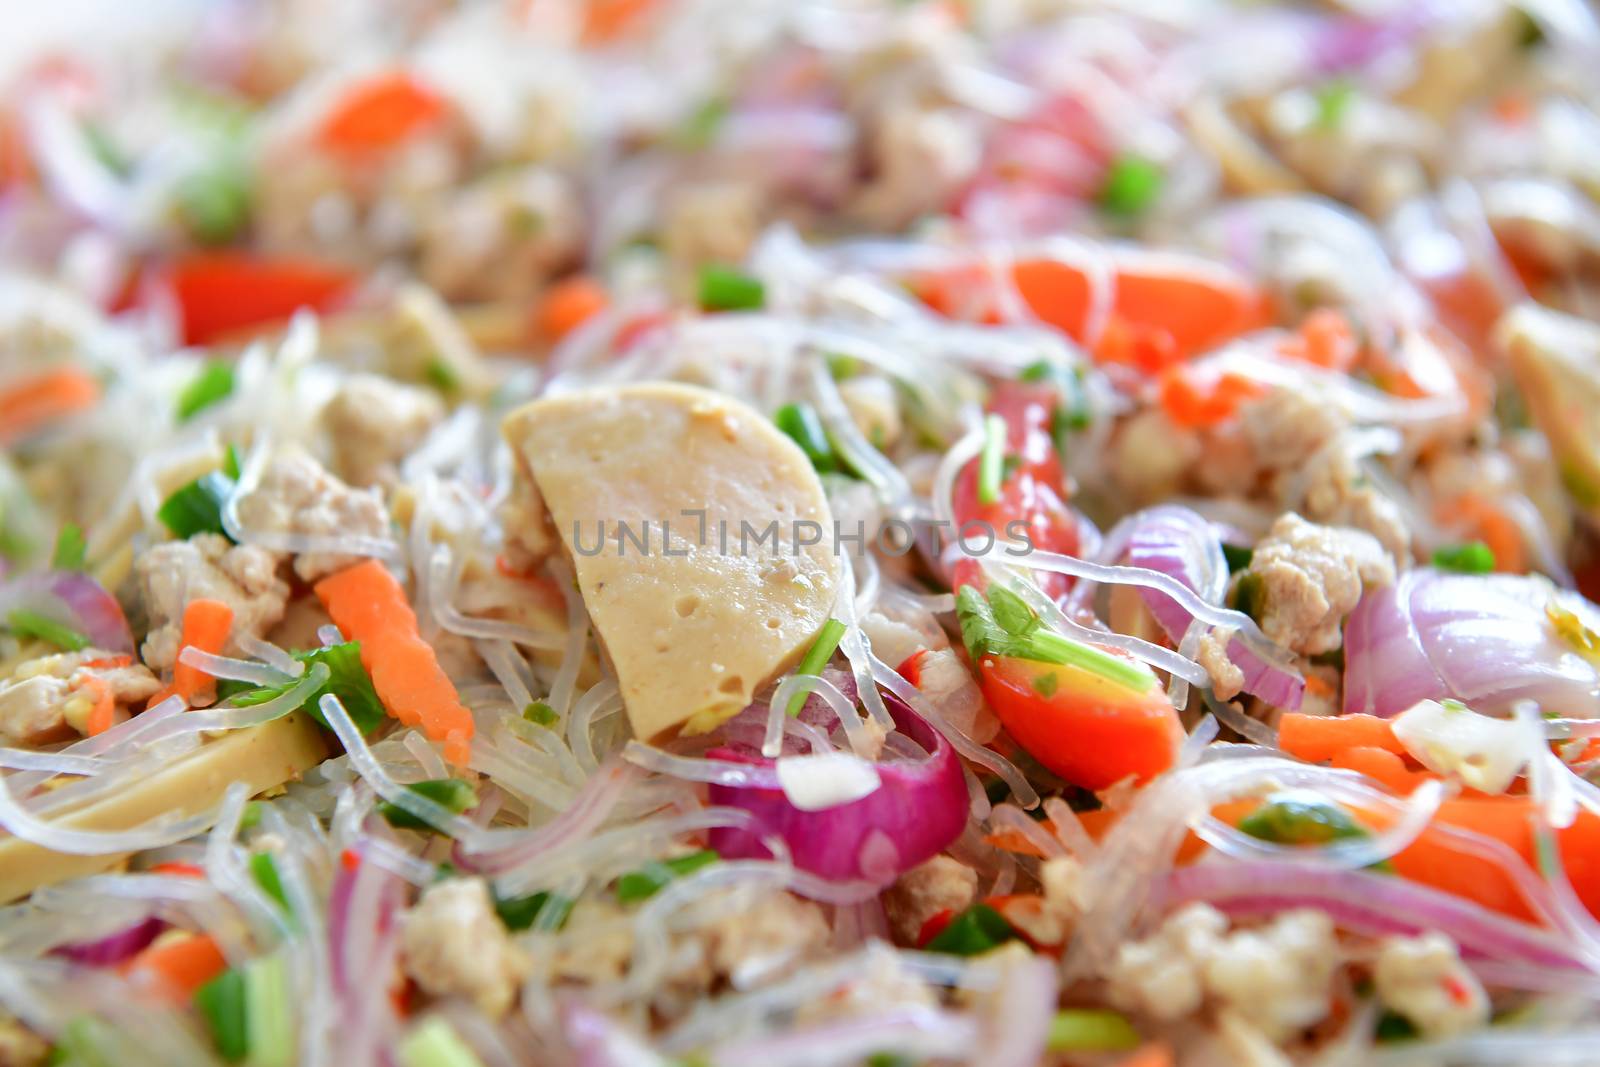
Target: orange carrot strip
{"x":1155,"y":1054}
{"x":99,"y":720}
{"x":568,"y":305}
{"x":181,"y":965}
{"x":206,"y":625}
{"x":1381,"y":765}
{"x":380,"y":113}
{"x":368,"y":605}
{"x":38,"y":400}
{"x":1315,"y":738}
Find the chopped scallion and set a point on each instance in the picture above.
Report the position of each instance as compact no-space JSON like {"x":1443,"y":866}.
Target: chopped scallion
{"x":453,"y":793}
{"x":547,"y":909}
{"x":648,"y":880}
{"x":725,"y":289}
{"x":441,"y":375}
{"x":1471,"y":557}
{"x":1091,"y":1030}
{"x":816,"y":658}
{"x":1333,"y":103}
{"x":1132,"y":184}
{"x":70,"y":549}
{"x":269,"y":1015}
{"x":991,"y":460}
{"x":801,"y":424}
{"x":434,"y":1043}
{"x":347,"y":679}
{"x":213,"y":384}
{"x":973,"y":932}
{"x":264,"y":869}
{"x":25,"y":623}
{"x":221,"y":1003}
{"x":541,"y":714}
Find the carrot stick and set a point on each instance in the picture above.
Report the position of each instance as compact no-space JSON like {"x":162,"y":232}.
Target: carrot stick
{"x":567,"y":305}
{"x":368,"y":605}
{"x":99,"y":720}
{"x":35,"y":401}
{"x":1315,"y":738}
{"x":181,"y":965}
{"x":1381,"y":765}
{"x":206,"y":625}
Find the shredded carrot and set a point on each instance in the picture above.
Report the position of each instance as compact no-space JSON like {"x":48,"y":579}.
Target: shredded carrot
{"x":100,"y":716}
{"x":1191,"y":399}
{"x":368,"y":605}
{"x":106,"y":663}
{"x":1315,"y":738}
{"x":568,"y":305}
{"x":180,"y":870}
{"x":32,"y":403}
{"x":1155,"y":1054}
{"x":606,"y":20}
{"x":1326,"y":339}
{"x":380,"y":113}
{"x":1152,"y":349}
{"x":206,"y":625}
{"x":180,"y":965}
{"x":1014,"y":841}
{"x":1512,"y":108}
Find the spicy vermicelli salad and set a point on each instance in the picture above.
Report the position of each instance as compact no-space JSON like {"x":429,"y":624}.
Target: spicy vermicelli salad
{"x":649,"y":533}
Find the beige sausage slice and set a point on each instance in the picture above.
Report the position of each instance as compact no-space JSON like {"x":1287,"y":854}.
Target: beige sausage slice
{"x":694,"y":631}
{"x":260,"y":756}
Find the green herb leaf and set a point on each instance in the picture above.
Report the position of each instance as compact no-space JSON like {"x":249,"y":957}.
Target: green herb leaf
{"x":25,"y":623}
{"x":213,"y":384}
{"x":652,"y":877}
{"x":1091,"y":1030}
{"x":725,"y":289}
{"x":541,"y":714}
{"x":197,"y":507}
{"x":801,"y":424}
{"x":1004,"y":625}
{"x":1470,"y":557}
{"x":1132,"y":184}
{"x":816,"y":658}
{"x":973,"y":932}
{"x":347,"y":679}
{"x":452,"y":793}
{"x":70,"y":548}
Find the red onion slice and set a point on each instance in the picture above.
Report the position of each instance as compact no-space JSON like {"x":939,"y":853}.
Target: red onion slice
{"x":113,"y":948}
{"x":1372,"y":904}
{"x":71,"y":599}
{"x":1484,"y":639}
{"x":916,"y":812}
{"x":1181,"y":544}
